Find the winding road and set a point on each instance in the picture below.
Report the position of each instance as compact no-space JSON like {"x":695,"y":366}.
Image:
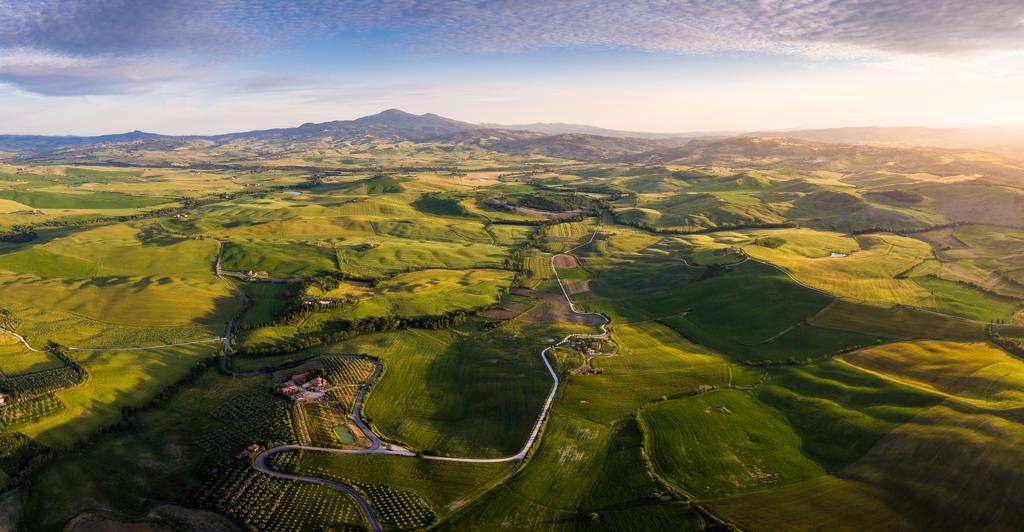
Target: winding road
{"x":23,"y":340}
{"x":378,"y":446}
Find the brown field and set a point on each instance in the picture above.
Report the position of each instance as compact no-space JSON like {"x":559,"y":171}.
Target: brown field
{"x":553,"y":307}
{"x":565,"y":262}
{"x":507,"y":311}
{"x":576,"y":286}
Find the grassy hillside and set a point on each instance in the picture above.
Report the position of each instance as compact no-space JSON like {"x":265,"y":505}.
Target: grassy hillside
{"x":783,"y":334}
{"x":722,"y":443}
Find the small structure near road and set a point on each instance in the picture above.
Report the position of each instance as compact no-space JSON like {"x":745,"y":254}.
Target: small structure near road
{"x":257,"y":274}
{"x":301,"y":388}
{"x":244,"y":453}
{"x":590,"y":348}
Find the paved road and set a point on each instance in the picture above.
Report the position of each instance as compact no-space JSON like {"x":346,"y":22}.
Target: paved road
{"x":230,"y":325}
{"x":377,"y":446}
{"x":23,"y":340}
{"x":364,"y":506}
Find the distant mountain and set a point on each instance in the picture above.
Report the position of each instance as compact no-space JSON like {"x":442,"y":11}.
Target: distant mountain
{"x":1003,"y":140}
{"x":566,"y":141}
{"x":392,"y":125}
{"x":19,"y":142}
{"x":559,"y":128}
{"x":806,"y":156}
{"x":581,"y":146}
{"x":397,"y":118}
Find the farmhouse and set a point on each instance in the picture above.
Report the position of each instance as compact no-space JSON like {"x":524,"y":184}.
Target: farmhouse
{"x":303,"y":389}
{"x":317,"y":384}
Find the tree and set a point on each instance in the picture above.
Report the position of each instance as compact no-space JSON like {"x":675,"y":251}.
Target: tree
{"x":19,"y":233}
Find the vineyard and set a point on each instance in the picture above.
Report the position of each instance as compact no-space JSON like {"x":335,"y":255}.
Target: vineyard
{"x":347,"y":370}
{"x":25,"y":410}
{"x":400,"y":509}
{"x":223,"y":442}
{"x":397,"y":508}
{"x":320,"y":419}
{"x":345,"y":375}
{"x":286,"y":462}
{"x":260,"y":502}
{"x":42,"y":382}
{"x":260,"y":414}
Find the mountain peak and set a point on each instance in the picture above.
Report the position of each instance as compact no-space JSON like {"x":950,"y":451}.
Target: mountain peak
{"x":387,"y":115}
{"x":394,"y":112}
{"x":396,"y":118}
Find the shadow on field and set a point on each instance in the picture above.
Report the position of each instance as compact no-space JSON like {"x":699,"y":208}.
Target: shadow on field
{"x":485,"y":391}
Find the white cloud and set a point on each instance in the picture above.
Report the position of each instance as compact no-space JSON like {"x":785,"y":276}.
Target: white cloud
{"x":198,"y":31}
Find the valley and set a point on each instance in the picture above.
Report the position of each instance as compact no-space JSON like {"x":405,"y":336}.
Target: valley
{"x":407,"y":322}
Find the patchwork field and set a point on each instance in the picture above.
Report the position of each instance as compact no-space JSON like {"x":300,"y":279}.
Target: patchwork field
{"x":865,"y":268}
{"x":752,"y":333}
{"x":977,"y":373}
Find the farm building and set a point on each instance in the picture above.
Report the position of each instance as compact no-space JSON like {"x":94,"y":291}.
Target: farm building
{"x":248,"y":451}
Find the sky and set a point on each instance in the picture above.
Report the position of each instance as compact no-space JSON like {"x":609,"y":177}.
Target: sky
{"x":90,"y":67}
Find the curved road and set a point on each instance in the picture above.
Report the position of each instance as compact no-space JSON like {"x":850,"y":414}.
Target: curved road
{"x":380,"y":447}
{"x":364,"y":506}
{"x":23,"y":340}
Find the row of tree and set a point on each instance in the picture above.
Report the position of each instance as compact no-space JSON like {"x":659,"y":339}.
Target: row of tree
{"x":19,"y":234}
{"x":341,"y":330}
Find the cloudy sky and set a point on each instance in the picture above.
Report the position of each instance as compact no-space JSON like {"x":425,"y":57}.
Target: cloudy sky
{"x":208,"y":66}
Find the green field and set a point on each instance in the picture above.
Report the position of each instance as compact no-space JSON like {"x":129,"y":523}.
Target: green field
{"x":278,"y":260}
{"x":840,"y":412}
{"x":16,"y":359}
{"x":868,"y":268}
{"x":891,"y":321}
{"x":969,"y":302}
{"x":977,"y":373}
{"x":452,"y":394}
{"x":267,"y":301}
{"x":383,"y":257}
{"x":762,"y":333}
{"x":162,"y":301}
{"x":92,"y":200}
{"x":116,"y":380}
{"x":722,"y":443}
